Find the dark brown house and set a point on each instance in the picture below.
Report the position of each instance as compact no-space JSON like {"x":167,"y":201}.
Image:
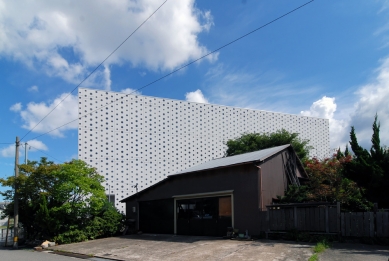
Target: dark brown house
{"x":208,"y":198}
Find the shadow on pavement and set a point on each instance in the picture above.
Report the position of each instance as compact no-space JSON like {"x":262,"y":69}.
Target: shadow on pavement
{"x":361,"y":249}
{"x":170,"y":238}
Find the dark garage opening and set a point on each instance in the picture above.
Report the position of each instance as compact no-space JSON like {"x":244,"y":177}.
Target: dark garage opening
{"x":208,"y":216}
{"x":157,"y":216}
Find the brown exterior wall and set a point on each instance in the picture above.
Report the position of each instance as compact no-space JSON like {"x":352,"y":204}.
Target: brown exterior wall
{"x":275,"y":181}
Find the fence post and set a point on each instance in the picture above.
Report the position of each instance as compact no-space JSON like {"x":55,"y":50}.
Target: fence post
{"x":375,"y":208}
{"x":327,"y":220}
{"x":338,"y":218}
{"x":295,"y":216}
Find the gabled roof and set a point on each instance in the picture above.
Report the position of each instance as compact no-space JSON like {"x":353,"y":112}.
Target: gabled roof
{"x":250,"y":157}
{"x":259,"y":155}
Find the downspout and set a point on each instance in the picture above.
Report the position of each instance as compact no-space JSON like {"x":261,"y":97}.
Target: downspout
{"x":260,"y":187}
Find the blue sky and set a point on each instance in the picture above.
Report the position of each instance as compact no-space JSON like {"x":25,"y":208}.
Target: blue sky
{"x":328,"y":59}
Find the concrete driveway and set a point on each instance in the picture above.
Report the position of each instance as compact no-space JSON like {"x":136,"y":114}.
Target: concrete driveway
{"x":355,"y":252}
{"x":169,"y":247}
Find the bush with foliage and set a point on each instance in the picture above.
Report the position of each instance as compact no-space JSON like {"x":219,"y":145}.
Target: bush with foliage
{"x":64,"y":202}
{"x":327,"y":183}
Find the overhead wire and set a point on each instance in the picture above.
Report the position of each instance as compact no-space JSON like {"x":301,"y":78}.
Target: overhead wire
{"x":98,"y":66}
{"x":182,"y":67}
{"x":45,"y":153}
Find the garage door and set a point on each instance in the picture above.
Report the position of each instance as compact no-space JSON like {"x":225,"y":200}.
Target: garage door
{"x":209,"y":216}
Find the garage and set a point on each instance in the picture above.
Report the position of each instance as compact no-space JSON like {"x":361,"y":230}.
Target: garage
{"x":206,"y":199}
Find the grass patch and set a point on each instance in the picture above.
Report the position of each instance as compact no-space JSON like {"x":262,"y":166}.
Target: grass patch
{"x":320,"y":247}
{"x":314,"y":257}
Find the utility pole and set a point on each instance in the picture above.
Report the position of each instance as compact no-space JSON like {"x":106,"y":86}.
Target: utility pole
{"x":16,"y":199}
{"x":25,"y":152}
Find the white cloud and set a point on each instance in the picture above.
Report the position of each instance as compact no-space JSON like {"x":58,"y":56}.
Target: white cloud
{"x":33,"y":89}
{"x":196,"y":96}
{"x":130,"y":91}
{"x":107,"y":78}
{"x":325,"y":108}
{"x":36,"y":145}
{"x":10,"y":150}
{"x":369,"y":99}
{"x":16,"y":107}
{"x":66,"y":111}
{"x":67,"y":39}
{"x":373,"y":98}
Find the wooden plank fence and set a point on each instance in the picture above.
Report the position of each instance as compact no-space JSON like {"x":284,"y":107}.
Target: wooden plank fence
{"x":323,"y":219}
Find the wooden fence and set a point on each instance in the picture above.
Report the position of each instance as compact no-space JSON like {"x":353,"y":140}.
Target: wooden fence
{"x":323,"y":219}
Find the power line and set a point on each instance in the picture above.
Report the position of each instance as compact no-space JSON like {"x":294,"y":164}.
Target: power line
{"x":7,"y":143}
{"x":45,"y":153}
{"x":182,"y":67}
{"x":94,"y":69}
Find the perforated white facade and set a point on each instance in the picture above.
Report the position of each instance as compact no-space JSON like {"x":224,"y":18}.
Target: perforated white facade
{"x":140,"y":140}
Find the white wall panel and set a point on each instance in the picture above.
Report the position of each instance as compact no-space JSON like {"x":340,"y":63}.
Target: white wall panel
{"x":140,"y":140}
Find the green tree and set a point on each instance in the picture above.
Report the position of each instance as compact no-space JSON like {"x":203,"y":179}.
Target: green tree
{"x":65,"y":202}
{"x":327,"y":183}
{"x":249,"y":142}
{"x":370,"y":169}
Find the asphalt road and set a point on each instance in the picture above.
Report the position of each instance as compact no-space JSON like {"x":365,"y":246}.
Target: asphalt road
{"x":7,"y":254}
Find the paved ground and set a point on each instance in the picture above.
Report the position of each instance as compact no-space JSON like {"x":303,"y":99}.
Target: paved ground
{"x":168,"y":247}
{"x":8,"y":254}
{"x":355,"y":252}
{"x":180,"y":248}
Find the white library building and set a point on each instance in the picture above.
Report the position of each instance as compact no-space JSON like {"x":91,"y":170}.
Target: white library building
{"x":135,"y":141}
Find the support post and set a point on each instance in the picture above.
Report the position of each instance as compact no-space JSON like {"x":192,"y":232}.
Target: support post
{"x":16,"y":198}
{"x":25,"y":152}
{"x":6,"y":234}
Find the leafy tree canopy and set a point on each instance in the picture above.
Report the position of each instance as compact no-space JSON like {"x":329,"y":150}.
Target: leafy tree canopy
{"x":255,"y":141}
{"x":328,"y":184}
{"x":65,"y":202}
